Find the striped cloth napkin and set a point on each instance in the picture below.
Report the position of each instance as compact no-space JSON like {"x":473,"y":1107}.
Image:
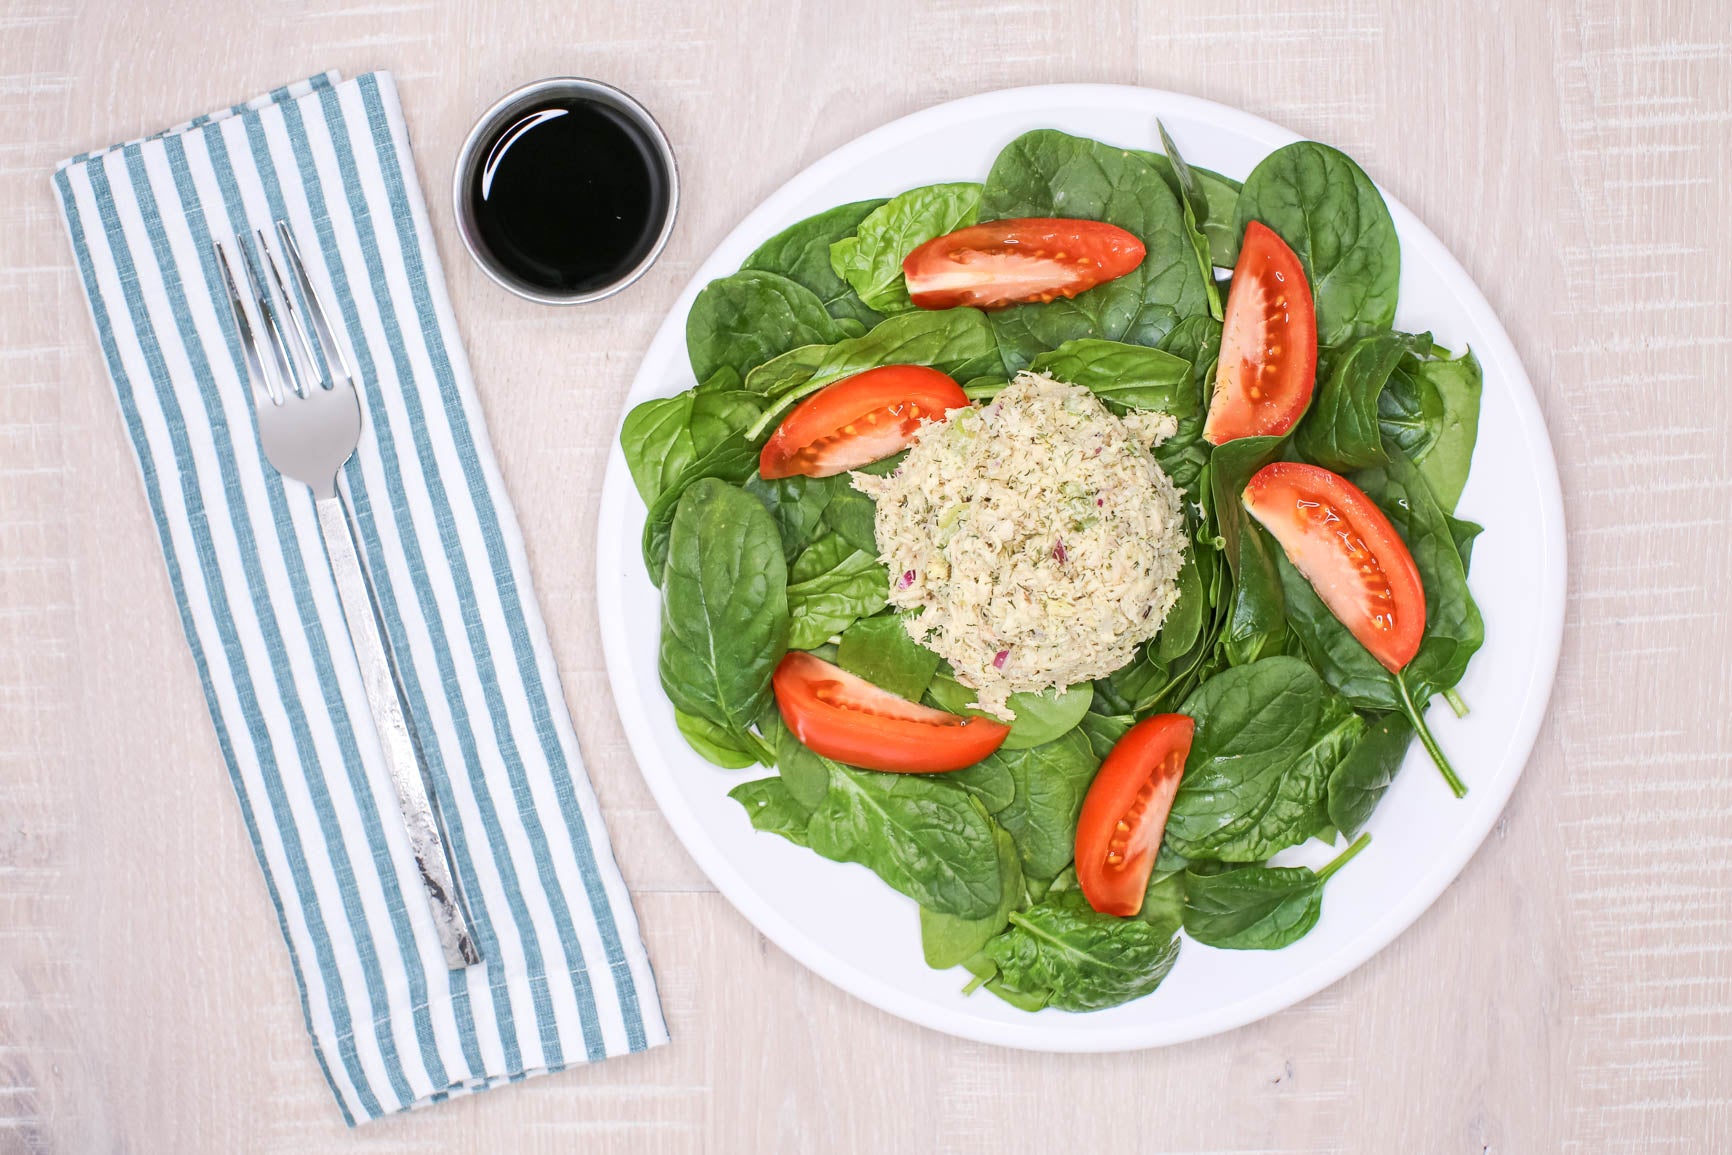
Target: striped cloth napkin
{"x":566,"y":979}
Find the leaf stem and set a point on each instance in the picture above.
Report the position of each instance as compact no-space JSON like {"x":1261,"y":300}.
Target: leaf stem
{"x":975,"y":984}
{"x":1456,"y":702}
{"x":1431,"y":747}
{"x":1344,"y":857}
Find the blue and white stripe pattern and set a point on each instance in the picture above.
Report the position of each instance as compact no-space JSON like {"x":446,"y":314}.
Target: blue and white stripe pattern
{"x":566,"y":979}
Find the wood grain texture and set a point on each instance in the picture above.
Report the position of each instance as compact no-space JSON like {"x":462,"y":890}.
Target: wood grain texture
{"x":1571,"y":992}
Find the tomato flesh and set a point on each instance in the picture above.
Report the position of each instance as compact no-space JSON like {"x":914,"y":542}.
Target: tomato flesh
{"x":1268,"y":363}
{"x":1010,"y":262}
{"x":1118,"y":833}
{"x":858,"y":420}
{"x":847,"y":718}
{"x":1349,"y":552}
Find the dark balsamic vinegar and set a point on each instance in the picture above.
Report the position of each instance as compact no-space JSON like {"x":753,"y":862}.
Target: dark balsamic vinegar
{"x":572,"y":195}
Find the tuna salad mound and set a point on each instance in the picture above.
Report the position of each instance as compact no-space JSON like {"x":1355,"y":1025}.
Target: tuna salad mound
{"x":1035,"y":535}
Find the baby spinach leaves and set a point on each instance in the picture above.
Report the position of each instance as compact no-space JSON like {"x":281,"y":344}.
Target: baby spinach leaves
{"x":1258,"y":907}
{"x":1343,"y":429}
{"x":1078,"y":959}
{"x":716,"y":744}
{"x":1358,"y":783}
{"x":664,"y":437}
{"x":771,"y":808}
{"x":1046,"y":173}
{"x":740,"y":321}
{"x":724,"y":606}
{"x":1326,"y":208}
{"x":832,"y":585}
{"x":801,"y":252}
{"x":949,"y":941}
{"x":1195,"y":203}
{"x":1447,"y":453}
{"x":1040,"y":718}
{"x":1124,"y":377}
{"x":925,"y":837}
{"x":1255,"y":613}
{"x":881,"y":650}
{"x":871,"y":259}
{"x":1050,"y":783}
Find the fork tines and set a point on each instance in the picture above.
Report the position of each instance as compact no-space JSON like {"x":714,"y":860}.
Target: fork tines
{"x":283,"y":371}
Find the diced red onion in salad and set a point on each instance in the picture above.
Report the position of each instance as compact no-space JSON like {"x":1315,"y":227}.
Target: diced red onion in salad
{"x":998,"y":659}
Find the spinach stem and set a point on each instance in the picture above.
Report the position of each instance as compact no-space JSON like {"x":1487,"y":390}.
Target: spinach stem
{"x":974,"y":984}
{"x":1456,"y":703}
{"x":1344,"y":857}
{"x":1431,"y":747}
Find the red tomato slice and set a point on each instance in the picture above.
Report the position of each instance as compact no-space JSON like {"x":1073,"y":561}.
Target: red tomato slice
{"x":858,"y":420}
{"x":849,"y":719}
{"x":1268,"y":362}
{"x":1125,"y":813}
{"x":1012,"y":262}
{"x":1348,"y":551}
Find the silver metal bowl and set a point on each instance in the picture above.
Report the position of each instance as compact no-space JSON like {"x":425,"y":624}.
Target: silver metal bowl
{"x":504,"y":112}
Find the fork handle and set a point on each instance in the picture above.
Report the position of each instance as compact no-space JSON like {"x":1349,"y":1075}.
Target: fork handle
{"x":408,"y":774}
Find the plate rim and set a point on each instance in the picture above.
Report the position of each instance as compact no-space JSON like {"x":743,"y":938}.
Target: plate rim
{"x":1041,"y":1032}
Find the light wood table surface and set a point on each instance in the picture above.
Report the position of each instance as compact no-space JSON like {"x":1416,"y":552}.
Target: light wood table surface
{"x":1571,"y":992}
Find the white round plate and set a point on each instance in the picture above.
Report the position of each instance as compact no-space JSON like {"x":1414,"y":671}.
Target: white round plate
{"x":840,"y":920}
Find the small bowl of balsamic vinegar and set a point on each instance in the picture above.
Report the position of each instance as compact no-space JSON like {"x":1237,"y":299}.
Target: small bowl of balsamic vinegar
{"x":565,"y":191}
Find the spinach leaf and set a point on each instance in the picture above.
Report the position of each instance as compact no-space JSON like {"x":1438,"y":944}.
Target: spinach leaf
{"x":922,"y":835}
{"x":1254,"y":723}
{"x":1342,"y":429}
{"x":724,"y":606}
{"x":1046,"y":173}
{"x":1221,"y":200}
{"x":989,"y":781}
{"x":1256,"y":616}
{"x":1039,"y":717}
{"x":881,"y":650}
{"x":832,"y":585}
{"x":1164,"y":901}
{"x":1081,"y":959}
{"x":871,"y":259}
{"x":716,"y":744}
{"x":1464,"y":533}
{"x":1050,"y":783}
{"x":771,"y":808}
{"x":805,"y":772}
{"x":1124,"y":377}
{"x":731,"y":461}
{"x":1444,"y":464}
{"x":740,"y":321}
{"x":1104,"y":731}
{"x":801,"y":252}
{"x":665,"y":436}
{"x":958,"y":342}
{"x":1360,"y":780}
{"x":949,"y":941}
{"x":1195,"y":203}
{"x":1410,"y":412}
{"x":1326,"y":208}
{"x":1184,"y":621}
{"x":1183,"y":455}
{"x":797,"y":506}
{"x":1258,"y":907}
{"x":853,"y":517}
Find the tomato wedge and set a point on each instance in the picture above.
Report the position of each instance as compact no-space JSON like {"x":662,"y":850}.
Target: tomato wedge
{"x":1125,"y":813}
{"x":1012,"y":262}
{"x":1348,"y":551}
{"x":847,"y":718}
{"x":1268,"y":362}
{"x":858,"y":420}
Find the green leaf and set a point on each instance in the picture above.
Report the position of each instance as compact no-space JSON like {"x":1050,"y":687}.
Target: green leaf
{"x":771,"y":809}
{"x":664,"y":437}
{"x":1221,"y":197}
{"x":1360,"y":781}
{"x":832,"y":585}
{"x":801,"y":252}
{"x":715,"y":743}
{"x":1326,"y":208}
{"x":871,"y":260}
{"x":1342,"y":429}
{"x":925,"y":837}
{"x":1164,"y":901}
{"x":806,"y":772}
{"x":1104,"y":731}
{"x":1046,"y":173}
{"x":1183,"y":455}
{"x":1124,"y":377}
{"x":731,"y":461}
{"x":724,"y":606}
{"x":1445,"y":463}
{"x":797,"y":506}
{"x":1081,"y":959}
{"x":881,"y":650}
{"x":1258,"y":907}
{"x":958,"y":342}
{"x":949,"y":941}
{"x":740,"y":321}
{"x":1195,"y":204}
{"x":1409,"y":412}
{"x":1051,"y":781}
{"x":1256,"y":614}
{"x":1184,"y":622}
{"x":1039,"y":717}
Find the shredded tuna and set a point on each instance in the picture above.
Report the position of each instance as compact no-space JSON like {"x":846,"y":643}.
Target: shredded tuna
{"x":1037,"y":524}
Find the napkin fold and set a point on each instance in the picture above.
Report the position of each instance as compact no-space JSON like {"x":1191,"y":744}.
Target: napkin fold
{"x":565,"y":979}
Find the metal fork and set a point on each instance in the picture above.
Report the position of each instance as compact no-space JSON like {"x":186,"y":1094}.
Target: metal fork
{"x":309,"y":425}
